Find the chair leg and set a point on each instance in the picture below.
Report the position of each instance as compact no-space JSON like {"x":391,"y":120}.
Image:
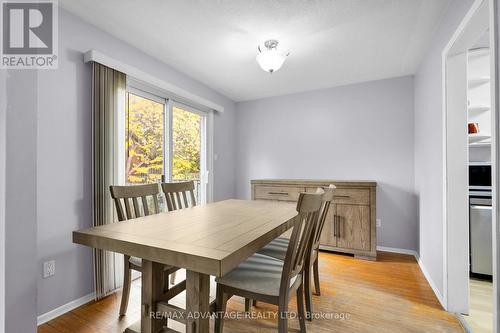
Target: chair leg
{"x":283,"y":317}
{"x":126,"y":285}
{"x":316,"y":276}
{"x":308,"y":292}
{"x":220,"y":309}
{"x":300,"y":309}
{"x":247,"y":304}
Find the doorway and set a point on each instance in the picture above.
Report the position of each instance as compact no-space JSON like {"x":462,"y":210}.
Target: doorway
{"x":470,"y":152}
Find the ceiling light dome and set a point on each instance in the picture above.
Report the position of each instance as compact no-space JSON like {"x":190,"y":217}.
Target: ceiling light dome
{"x":270,"y":59}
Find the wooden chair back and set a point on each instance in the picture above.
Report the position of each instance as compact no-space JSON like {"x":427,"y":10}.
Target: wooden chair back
{"x":138,"y":194}
{"x":308,"y":207}
{"x":179,"y":195}
{"x":325,"y":207}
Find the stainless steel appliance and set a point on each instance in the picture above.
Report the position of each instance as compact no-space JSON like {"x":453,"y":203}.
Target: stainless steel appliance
{"x":481,"y":236}
{"x":480,"y":219}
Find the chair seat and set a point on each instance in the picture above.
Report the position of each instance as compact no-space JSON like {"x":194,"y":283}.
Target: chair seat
{"x":276,"y":249}
{"x":259,"y":274}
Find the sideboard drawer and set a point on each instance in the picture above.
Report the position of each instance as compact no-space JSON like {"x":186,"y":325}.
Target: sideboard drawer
{"x":351,"y":196}
{"x":282,"y":193}
{"x":348,"y":195}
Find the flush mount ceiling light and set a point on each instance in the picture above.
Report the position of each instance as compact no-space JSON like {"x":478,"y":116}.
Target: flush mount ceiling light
{"x":269,"y":58}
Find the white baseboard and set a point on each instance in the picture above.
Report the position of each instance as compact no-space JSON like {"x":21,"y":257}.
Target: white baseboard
{"x":431,"y":283}
{"x":43,"y":318}
{"x":396,"y":250}
{"x":422,"y":268}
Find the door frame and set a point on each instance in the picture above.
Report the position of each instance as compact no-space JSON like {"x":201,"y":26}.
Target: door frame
{"x":456,"y":186}
{"x":495,"y":86}
{"x":449,"y":233}
{"x":3,"y":143}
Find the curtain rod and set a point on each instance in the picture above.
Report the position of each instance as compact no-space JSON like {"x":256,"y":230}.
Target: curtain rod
{"x":138,"y":74}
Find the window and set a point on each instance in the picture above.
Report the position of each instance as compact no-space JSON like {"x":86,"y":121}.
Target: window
{"x":144,"y":142}
{"x":186,"y":144}
{"x":165,"y":140}
{"x":189,"y":148}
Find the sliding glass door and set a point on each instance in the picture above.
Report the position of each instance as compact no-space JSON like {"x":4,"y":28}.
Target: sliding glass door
{"x":145,"y":138}
{"x":165,"y":140}
{"x":187,"y":150}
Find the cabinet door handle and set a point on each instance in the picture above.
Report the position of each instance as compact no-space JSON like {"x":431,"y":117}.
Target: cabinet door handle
{"x":338,"y":228}
{"x":278,"y":193}
{"x":335,"y":225}
{"x":341,"y":196}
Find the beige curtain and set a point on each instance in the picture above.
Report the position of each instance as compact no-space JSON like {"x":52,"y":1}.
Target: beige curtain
{"x":108,"y":96}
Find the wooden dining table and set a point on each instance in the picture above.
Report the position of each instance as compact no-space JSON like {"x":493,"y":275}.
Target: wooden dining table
{"x":205,"y":240}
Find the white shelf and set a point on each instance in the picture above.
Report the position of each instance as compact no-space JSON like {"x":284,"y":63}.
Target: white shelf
{"x":479,"y":108}
{"x":478,"y":52}
{"x":474,"y":82}
{"x":478,"y":137}
{"x":480,"y":144}
{"x":478,"y":81}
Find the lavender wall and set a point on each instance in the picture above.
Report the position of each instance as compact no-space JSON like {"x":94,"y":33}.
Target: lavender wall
{"x":3,"y":160}
{"x":361,"y":131}
{"x":428,"y":143}
{"x":64,"y":152}
{"x":20,"y":200}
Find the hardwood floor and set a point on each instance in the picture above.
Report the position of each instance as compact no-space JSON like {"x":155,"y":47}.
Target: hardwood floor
{"x":480,"y":317}
{"x":387,"y":295}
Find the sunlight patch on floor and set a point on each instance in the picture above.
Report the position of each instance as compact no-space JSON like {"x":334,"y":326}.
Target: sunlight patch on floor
{"x":480,"y":317}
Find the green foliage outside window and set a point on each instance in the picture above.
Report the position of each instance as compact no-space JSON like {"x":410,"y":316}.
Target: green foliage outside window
{"x":144,"y":142}
{"x":186,"y":145}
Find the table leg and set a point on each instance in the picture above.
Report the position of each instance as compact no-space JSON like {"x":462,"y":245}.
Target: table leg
{"x":151,"y":291}
{"x":197,"y":302}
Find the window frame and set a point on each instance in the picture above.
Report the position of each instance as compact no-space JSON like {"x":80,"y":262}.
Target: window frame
{"x":122,"y":150}
{"x":207,"y":141}
{"x":206,"y":163}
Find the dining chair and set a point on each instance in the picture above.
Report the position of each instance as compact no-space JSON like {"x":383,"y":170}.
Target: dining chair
{"x":178,"y":195}
{"x":271,"y":280}
{"x":132,"y":202}
{"x":278,"y":247}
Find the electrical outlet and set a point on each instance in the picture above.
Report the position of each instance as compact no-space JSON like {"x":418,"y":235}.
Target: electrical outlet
{"x":49,"y":268}
{"x":379,"y":223}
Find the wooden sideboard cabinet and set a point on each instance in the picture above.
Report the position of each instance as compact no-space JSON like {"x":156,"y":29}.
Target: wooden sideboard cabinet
{"x":351,"y":222}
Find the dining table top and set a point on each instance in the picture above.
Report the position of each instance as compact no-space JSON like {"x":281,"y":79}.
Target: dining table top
{"x":210,"y":239}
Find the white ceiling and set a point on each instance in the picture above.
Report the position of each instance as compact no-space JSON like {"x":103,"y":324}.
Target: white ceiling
{"x":332,"y":43}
